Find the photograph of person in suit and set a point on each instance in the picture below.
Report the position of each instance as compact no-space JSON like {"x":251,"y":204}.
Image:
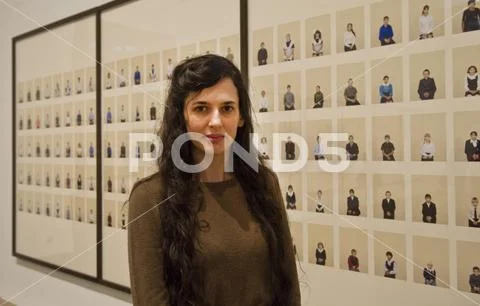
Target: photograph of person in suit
{"x":290,"y":149}
{"x":386,"y":91}
{"x":388,"y":149}
{"x":353,"y":262}
{"x":426,"y":23}
{"x":472,"y":82}
{"x":289,"y":99}
{"x":350,"y":94}
{"x":319,"y":207}
{"x":427,"y":151}
{"x":429,"y":210}
{"x":353,"y":204}
{"x":388,"y":206}
{"x":426,"y":86}
{"x":473,"y":218}
{"x":320,"y":254}
{"x":349,"y":39}
{"x":385,"y":34}
{"x":318,"y":98}
{"x":471,"y":17}
{"x":430,"y":275}
{"x":318,"y":149}
{"x":472,"y":148}
{"x":290,"y":198}
{"x":352,"y":149}
{"x":317,"y":44}
{"x":262,"y":55}
{"x":474,"y":280}
{"x":288,"y":48}
{"x":390,"y":266}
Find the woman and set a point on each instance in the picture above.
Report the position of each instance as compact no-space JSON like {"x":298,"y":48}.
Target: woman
{"x":288,"y":49}
{"x":320,"y":254}
{"x":426,"y":23}
{"x":428,"y":148}
{"x":318,"y":150}
{"x":472,"y":147}
{"x":290,"y":198}
{"x":349,"y":39}
{"x":472,"y":84}
{"x":317,"y":44}
{"x":186,"y":249}
{"x":430,"y":275}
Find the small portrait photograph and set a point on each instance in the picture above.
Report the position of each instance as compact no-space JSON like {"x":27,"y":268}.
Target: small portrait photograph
{"x":468,"y":268}
{"x":263,"y":94}
{"x":318,"y":85}
{"x":288,"y":42}
{"x":389,"y":196}
{"x":90,"y":77}
{"x":466,"y":201}
{"x":388,"y":138}
{"x":90,"y":178}
{"x":38,"y":89}
{"x":137,"y":65}
{"x":109,"y":76}
{"x":387,"y":80}
{"x":20,"y":93}
{"x":390,"y":255}
{"x":169,"y":61}
{"x":79,"y":76}
{"x":137,"y":107}
{"x":429,"y":199}
{"x":68,"y":84}
{"x":428,"y":137}
{"x":289,"y":91}
{"x":466,"y":16}
{"x":356,"y":143}
{"x":352,"y":194}
{"x":28,"y":91}
{"x":80,"y":209}
{"x":122,"y":215}
{"x":109,"y":214}
{"x":152,"y":67}
{"x":351,"y":84}
{"x":317,"y":36}
{"x":465,"y":70}
{"x":350,"y":26}
{"x":467,"y":142}
{"x":123,"y":112}
{"x":123,"y":73}
{"x":353,"y":249}
{"x":291,"y":186}
{"x":47,"y":87}
{"x":432,"y":256}
{"x":109,"y":186}
{"x":79,"y":177}
{"x":262,"y":49}
{"x":57,"y":86}
{"x":109,"y":110}
{"x":109,"y":145}
{"x":320,"y":192}
{"x":425,"y":19}
{"x":386,"y":23}
{"x":230,"y":48}
{"x":320,"y":245}
{"x":427,"y":76}
{"x":91,"y":211}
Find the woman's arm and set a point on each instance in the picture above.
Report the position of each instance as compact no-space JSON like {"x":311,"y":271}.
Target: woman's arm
{"x":145,"y":255}
{"x":289,"y":253}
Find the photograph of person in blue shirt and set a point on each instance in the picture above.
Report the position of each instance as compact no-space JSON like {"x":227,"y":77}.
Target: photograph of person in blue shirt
{"x":385,"y":34}
{"x":386,"y":91}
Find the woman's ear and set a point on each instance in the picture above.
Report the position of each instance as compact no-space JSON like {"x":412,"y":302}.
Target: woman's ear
{"x":241,"y":122}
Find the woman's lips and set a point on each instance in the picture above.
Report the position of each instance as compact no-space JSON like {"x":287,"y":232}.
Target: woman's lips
{"x":215,"y":137}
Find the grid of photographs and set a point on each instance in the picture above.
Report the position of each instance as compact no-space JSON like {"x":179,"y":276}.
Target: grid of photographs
{"x":399,"y":79}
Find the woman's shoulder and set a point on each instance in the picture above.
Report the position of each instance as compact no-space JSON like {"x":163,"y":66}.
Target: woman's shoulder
{"x":146,"y":191}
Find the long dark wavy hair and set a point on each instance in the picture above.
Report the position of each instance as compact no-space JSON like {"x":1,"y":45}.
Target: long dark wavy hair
{"x":179,"y":222}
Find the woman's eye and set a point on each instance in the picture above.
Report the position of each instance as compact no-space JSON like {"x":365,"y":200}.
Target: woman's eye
{"x":228,"y":108}
{"x":200,"y":109}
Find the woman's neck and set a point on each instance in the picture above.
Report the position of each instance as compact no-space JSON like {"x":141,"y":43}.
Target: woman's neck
{"x":215,"y":171}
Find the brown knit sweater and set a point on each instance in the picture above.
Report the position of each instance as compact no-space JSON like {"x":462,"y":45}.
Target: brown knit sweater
{"x":234,"y":252}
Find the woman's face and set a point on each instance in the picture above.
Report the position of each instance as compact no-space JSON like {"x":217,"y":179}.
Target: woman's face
{"x":214,"y":112}
{"x":425,"y":11}
{"x":472,"y":71}
{"x":349,"y":27}
{"x":427,"y":138}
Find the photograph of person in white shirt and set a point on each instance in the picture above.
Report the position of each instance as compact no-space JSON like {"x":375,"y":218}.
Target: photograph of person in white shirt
{"x":288,"y":48}
{"x":428,"y":148}
{"x":426,"y":23}
{"x":263,"y":102}
{"x":472,"y":83}
{"x":317,"y":44}
{"x":263,"y":148}
{"x":318,"y":150}
{"x":349,"y":39}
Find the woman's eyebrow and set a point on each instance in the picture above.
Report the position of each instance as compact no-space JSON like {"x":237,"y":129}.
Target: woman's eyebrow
{"x":205,"y":102}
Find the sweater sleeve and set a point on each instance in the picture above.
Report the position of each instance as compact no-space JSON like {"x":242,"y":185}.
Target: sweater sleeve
{"x":289,"y":252}
{"x":145,"y":255}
